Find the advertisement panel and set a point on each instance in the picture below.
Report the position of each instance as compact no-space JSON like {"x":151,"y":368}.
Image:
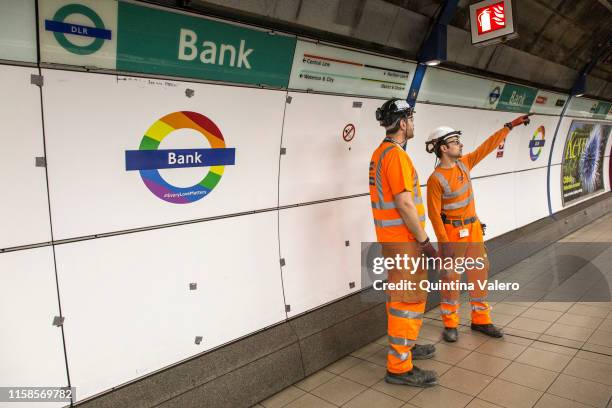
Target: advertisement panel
{"x":18,"y":30}
{"x":112,"y":34}
{"x":323,"y":68}
{"x":582,"y":164}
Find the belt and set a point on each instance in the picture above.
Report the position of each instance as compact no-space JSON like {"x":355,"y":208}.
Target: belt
{"x":458,"y":223}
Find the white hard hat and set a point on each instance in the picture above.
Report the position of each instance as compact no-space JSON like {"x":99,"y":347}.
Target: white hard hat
{"x":438,"y":135}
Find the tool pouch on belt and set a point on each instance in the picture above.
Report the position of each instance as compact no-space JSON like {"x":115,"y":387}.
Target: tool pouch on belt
{"x":484,"y":228}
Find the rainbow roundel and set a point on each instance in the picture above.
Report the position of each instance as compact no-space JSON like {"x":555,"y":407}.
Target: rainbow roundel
{"x":162,"y":128}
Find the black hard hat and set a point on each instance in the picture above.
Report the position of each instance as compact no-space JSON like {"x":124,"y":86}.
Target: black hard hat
{"x":391,"y":110}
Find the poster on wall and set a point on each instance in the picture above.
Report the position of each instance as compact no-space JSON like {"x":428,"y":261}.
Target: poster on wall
{"x":118,"y":35}
{"x":322,"y":68}
{"x":582,"y":163}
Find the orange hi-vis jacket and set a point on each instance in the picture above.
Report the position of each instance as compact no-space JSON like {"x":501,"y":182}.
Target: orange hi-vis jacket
{"x":392,"y":172}
{"x":449,"y":191}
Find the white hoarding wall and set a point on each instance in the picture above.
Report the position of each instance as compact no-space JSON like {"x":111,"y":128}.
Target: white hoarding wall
{"x":135,"y":303}
{"x":31,"y":348}
{"x":101,"y":152}
{"x":24,"y":209}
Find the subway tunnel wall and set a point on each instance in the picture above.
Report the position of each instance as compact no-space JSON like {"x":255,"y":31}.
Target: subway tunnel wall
{"x":146,"y":279}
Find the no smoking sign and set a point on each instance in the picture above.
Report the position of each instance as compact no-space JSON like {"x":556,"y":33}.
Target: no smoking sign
{"x":349,"y":132}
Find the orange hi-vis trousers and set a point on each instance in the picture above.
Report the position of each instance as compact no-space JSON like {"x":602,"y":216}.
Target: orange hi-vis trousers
{"x":470,"y":246}
{"x":404,"y":321}
{"x":405,"y":309}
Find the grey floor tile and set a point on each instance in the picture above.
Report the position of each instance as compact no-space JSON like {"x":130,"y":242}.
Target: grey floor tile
{"x":500,"y":319}
{"x":343,"y":364}
{"x":367,"y":350}
{"x":569,"y":332}
{"x":468,"y":341}
{"x":584,"y":310}
{"x":310,"y":401}
{"x":434,"y":365}
{"x":283,"y":397}
{"x":371,"y":398}
{"x":478,"y":403}
{"x":561,"y":341}
{"x":383,"y":341}
{"x":338,"y":390}
{"x":580,"y":320}
{"x":590,"y":370}
{"x":402,"y":392}
{"x":596,"y":348}
{"x":527,"y":324}
{"x":558,"y":306}
{"x":449,"y":355}
{"x":365,"y":373}
{"x":465,"y":381}
{"x":313,"y":381}
{"x":484,"y":364}
{"x":529,"y":376}
{"x":555,"y":348}
{"x":601,"y":337}
{"x":439,"y":396}
{"x":544,"y":359}
{"x":584,"y":391}
{"x":597,"y":357}
{"x":500,"y":348}
{"x":379,"y":357}
{"x":510,"y":395}
{"x":606,"y":325}
{"x":542,"y":314}
{"x":522,"y":333}
{"x":509,"y":309}
{"x":553,"y":401}
{"x":515,"y":339}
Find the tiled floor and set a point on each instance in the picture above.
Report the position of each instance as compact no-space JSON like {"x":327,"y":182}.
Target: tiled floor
{"x":554,"y":353}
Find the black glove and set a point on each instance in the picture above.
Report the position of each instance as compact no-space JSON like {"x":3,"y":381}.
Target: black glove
{"x":427,"y":249}
{"x":519,"y":121}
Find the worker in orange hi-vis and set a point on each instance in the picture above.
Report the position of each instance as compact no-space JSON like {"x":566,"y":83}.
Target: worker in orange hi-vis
{"x":452,"y":211}
{"x":399,"y":219}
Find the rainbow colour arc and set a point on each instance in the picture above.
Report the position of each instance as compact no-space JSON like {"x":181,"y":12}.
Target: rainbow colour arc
{"x":162,"y":128}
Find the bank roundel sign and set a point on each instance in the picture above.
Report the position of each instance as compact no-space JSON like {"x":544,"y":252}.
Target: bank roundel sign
{"x":149,"y":158}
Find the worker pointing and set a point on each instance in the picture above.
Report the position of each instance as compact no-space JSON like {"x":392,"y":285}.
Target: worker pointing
{"x":399,"y":219}
{"x":452,"y":210}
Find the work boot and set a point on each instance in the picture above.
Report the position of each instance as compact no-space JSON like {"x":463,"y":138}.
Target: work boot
{"x":415,"y":377}
{"x":423,"y":351}
{"x":488,"y":329}
{"x":450,"y":334}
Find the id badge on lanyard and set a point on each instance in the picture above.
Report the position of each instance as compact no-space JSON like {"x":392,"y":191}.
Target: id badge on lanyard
{"x":464,"y":232}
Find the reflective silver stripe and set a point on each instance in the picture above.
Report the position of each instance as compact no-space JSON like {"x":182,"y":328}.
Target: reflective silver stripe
{"x":443,"y":182}
{"x":401,"y":356}
{"x":384,"y":205}
{"x":389,"y":223}
{"x":407,"y":314}
{"x":476,"y":307}
{"x":457,"y":193}
{"x":447,"y":312}
{"x":418,"y":200}
{"x":450,"y":302}
{"x":401,"y":341}
{"x":480,"y":299}
{"x":378,"y":172}
{"x":459,"y":204}
{"x":422,"y":218}
{"x":465,"y":170}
